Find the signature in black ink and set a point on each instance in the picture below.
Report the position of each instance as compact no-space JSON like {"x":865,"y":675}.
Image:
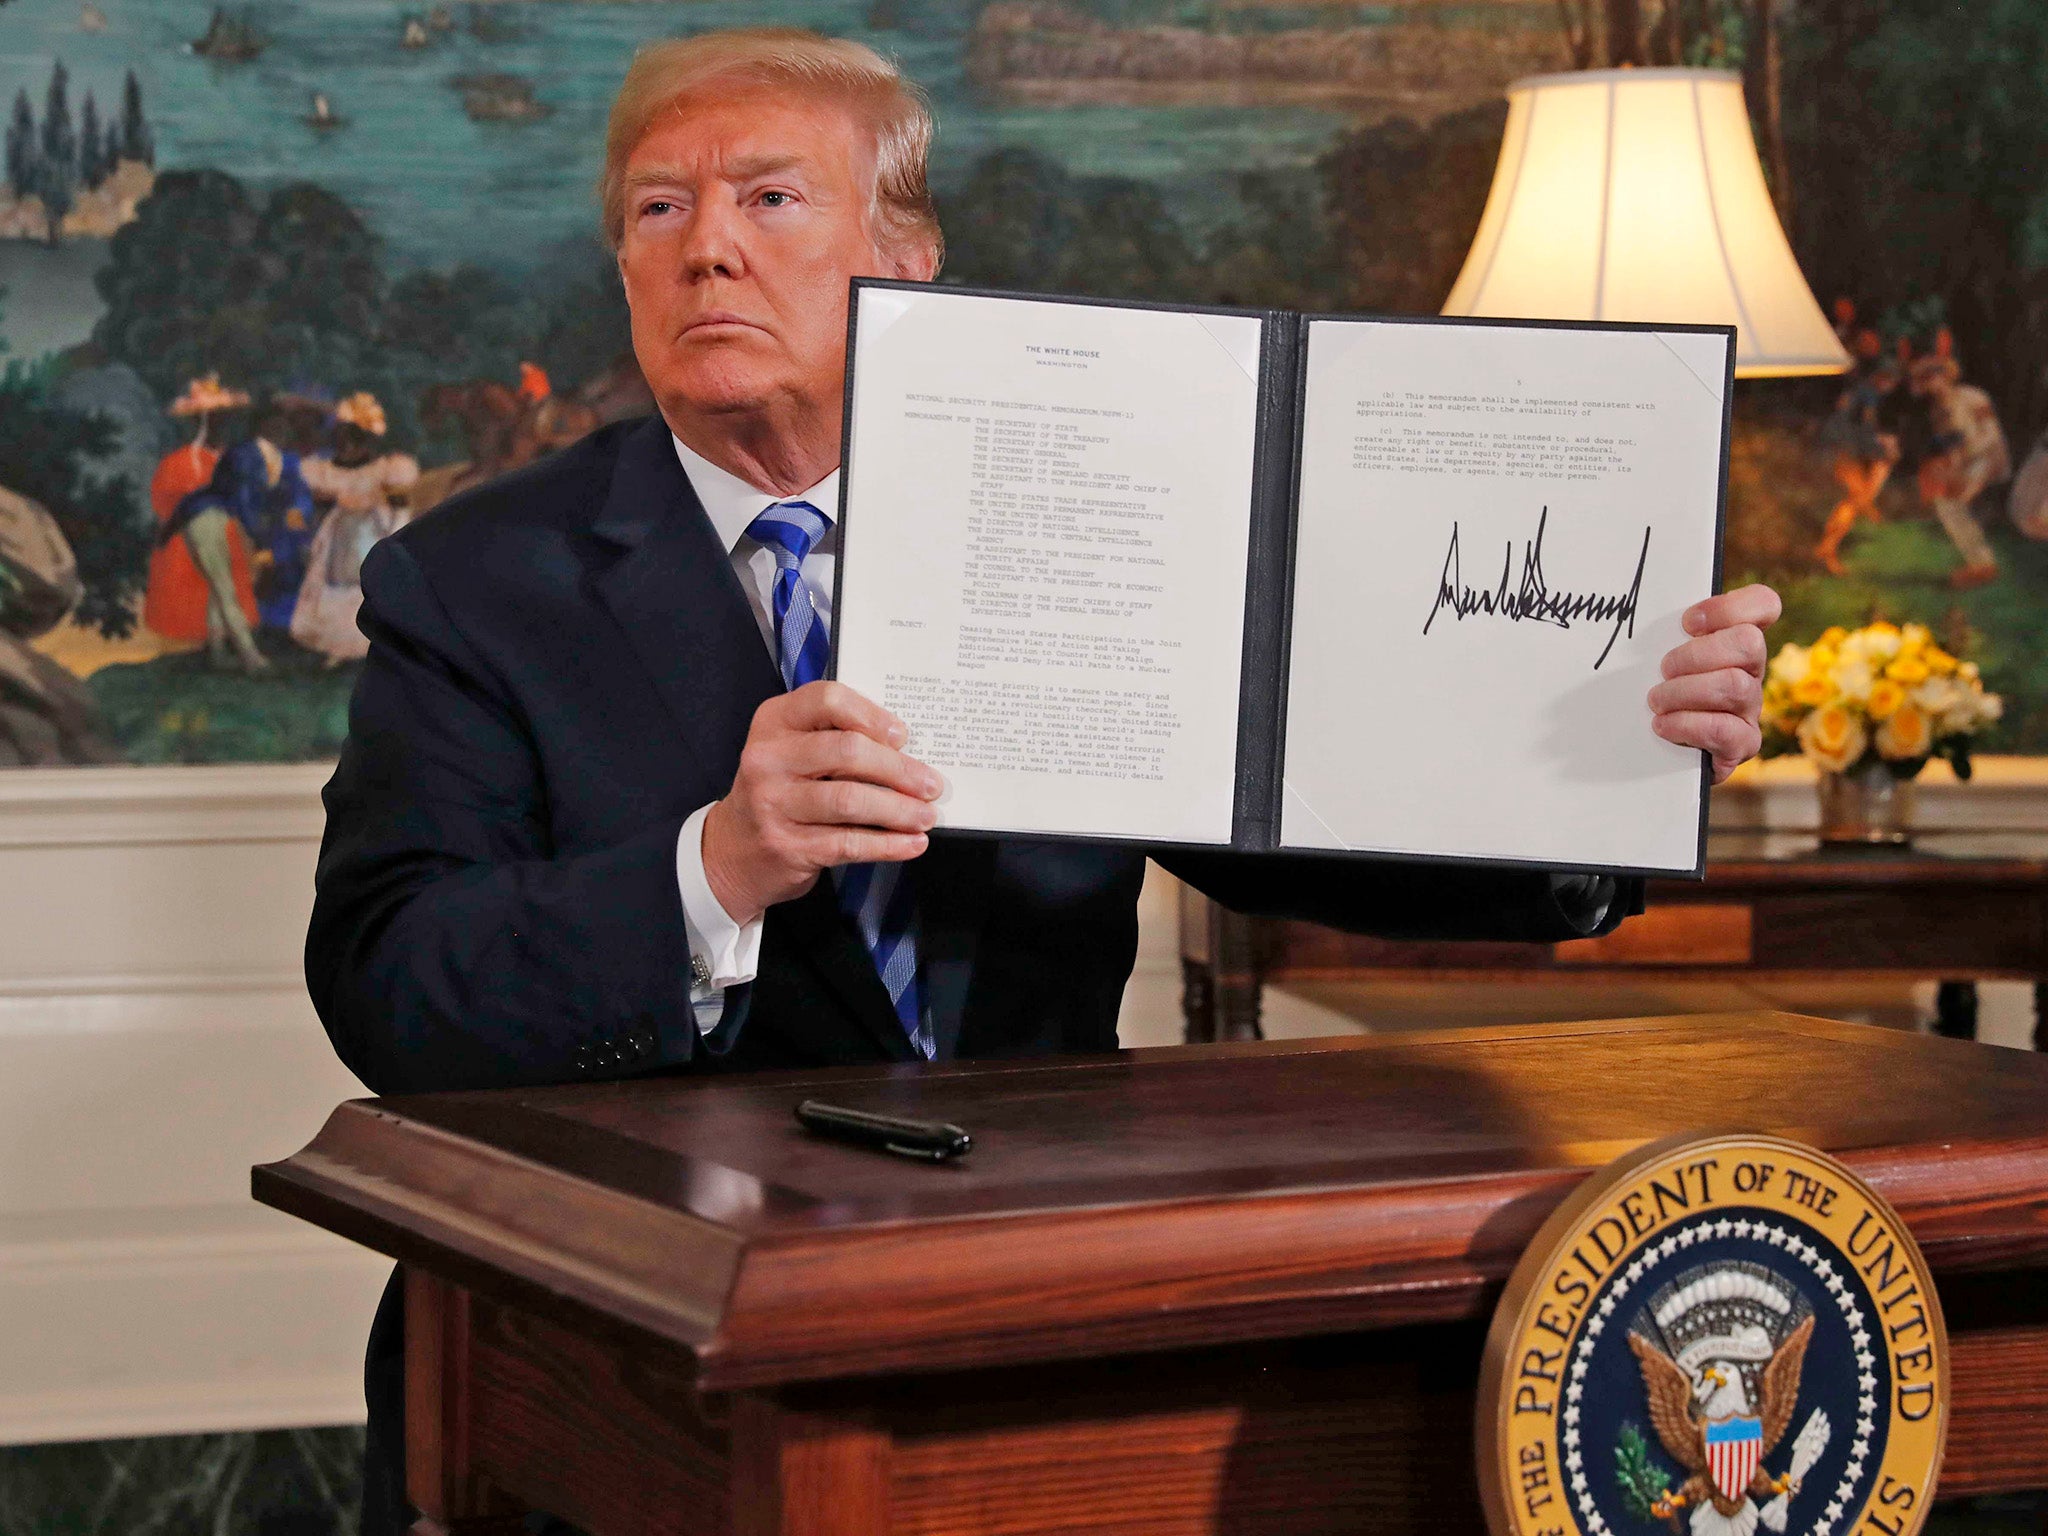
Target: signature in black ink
{"x":1533,"y":600}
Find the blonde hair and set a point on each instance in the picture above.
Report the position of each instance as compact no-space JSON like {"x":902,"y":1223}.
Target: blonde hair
{"x":871,"y":88}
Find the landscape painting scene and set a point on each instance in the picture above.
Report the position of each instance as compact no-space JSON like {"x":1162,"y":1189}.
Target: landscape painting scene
{"x":279,"y":277}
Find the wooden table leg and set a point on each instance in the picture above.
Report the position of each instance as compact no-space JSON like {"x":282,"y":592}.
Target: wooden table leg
{"x":1197,"y":1001}
{"x":1223,"y":957}
{"x":798,"y":1473}
{"x":1955,"y":1009}
{"x":1239,"y":946}
{"x":451,"y":1498}
{"x":1197,"y":968}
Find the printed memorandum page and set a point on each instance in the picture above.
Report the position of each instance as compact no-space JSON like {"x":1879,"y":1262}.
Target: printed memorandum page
{"x":1047,"y":508}
{"x":1498,"y":528}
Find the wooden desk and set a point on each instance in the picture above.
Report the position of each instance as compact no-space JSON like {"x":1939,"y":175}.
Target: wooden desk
{"x":1954,"y":919}
{"x":1231,"y":1288}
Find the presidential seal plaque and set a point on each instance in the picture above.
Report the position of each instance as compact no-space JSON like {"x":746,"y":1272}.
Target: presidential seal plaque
{"x":1711,"y":1337}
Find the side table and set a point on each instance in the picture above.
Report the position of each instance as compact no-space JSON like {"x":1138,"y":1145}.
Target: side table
{"x":1956,"y":920}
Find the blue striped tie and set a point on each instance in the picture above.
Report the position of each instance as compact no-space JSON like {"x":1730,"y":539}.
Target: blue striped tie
{"x":875,"y":896}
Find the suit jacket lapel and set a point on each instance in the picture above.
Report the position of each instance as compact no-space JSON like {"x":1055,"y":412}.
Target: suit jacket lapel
{"x":673,"y":592}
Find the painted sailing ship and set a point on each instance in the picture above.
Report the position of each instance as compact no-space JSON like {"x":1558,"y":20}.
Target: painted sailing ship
{"x":231,"y":39}
{"x":497,"y":98}
{"x":323,"y":116}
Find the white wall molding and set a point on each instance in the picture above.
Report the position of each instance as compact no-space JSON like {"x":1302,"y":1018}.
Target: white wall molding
{"x":181,"y":1407}
{"x":139,"y":807}
{"x":155,"y":1041}
{"x":149,"y":984}
{"x":207,"y":1311}
{"x":80,"y":1247}
{"x":2004,"y":794}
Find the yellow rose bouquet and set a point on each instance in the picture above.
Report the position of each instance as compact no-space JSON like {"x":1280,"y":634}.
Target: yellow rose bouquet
{"x":1881,"y":693}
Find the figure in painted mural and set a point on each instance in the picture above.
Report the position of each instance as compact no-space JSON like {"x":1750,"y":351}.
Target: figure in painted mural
{"x":284,"y":518}
{"x":2028,"y":504}
{"x":179,"y":603}
{"x":547,"y":421}
{"x":369,"y":485}
{"x":1967,"y":457}
{"x":1864,"y":452}
{"x":506,"y":428}
{"x":259,"y":485}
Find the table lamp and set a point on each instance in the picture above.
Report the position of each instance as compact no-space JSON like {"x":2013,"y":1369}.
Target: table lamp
{"x":1637,"y":194}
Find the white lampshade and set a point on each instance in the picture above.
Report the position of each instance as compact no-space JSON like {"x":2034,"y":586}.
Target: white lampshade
{"x":1636,"y":194}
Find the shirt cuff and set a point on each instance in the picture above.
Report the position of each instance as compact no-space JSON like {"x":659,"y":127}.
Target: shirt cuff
{"x":725,"y":953}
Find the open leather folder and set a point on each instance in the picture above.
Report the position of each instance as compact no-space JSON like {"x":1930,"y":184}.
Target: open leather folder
{"x":1253,"y":579}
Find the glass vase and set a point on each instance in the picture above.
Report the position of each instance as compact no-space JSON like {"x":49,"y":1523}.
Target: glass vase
{"x":1866,"y":806}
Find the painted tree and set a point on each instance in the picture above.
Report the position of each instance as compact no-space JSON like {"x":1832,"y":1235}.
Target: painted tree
{"x":267,"y":291}
{"x":1923,"y":156}
{"x":1404,"y":202}
{"x":21,"y":148}
{"x":323,"y":283}
{"x":583,"y":323}
{"x":1129,"y":236}
{"x":1721,"y":34}
{"x":92,"y":170}
{"x":47,"y":452}
{"x":1280,"y":250}
{"x":1009,"y":221}
{"x":1023,"y":221}
{"x":184,"y":287}
{"x":57,"y":181}
{"x":136,"y":141}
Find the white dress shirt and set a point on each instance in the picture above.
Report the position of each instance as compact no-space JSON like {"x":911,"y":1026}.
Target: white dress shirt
{"x":724,"y":953}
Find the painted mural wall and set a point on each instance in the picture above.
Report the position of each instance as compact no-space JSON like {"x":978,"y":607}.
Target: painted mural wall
{"x":278,"y":277}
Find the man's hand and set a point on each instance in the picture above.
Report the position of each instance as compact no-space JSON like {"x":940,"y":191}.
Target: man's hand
{"x":1713,"y":683}
{"x":821,"y":783}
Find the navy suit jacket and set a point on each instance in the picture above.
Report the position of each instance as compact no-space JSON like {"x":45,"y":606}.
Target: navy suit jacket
{"x":562,"y":668}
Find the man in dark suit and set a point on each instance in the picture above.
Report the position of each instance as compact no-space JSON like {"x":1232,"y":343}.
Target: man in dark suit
{"x":592,"y":818}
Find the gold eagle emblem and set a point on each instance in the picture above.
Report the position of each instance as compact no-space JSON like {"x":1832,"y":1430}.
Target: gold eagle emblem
{"x":1681,"y":1408}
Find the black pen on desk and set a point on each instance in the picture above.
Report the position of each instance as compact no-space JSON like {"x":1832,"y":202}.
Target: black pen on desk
{"x":927,"y":1140}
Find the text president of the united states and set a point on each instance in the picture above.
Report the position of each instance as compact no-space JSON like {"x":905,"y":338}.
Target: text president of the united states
{"x":595,"y":817}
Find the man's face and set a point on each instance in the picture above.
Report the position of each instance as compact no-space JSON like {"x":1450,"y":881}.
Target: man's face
{"x":745,"y":216}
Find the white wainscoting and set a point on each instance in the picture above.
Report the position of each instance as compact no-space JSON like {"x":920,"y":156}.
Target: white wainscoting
{"x":2003,"y":808}
{"x":155,"y":1041}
